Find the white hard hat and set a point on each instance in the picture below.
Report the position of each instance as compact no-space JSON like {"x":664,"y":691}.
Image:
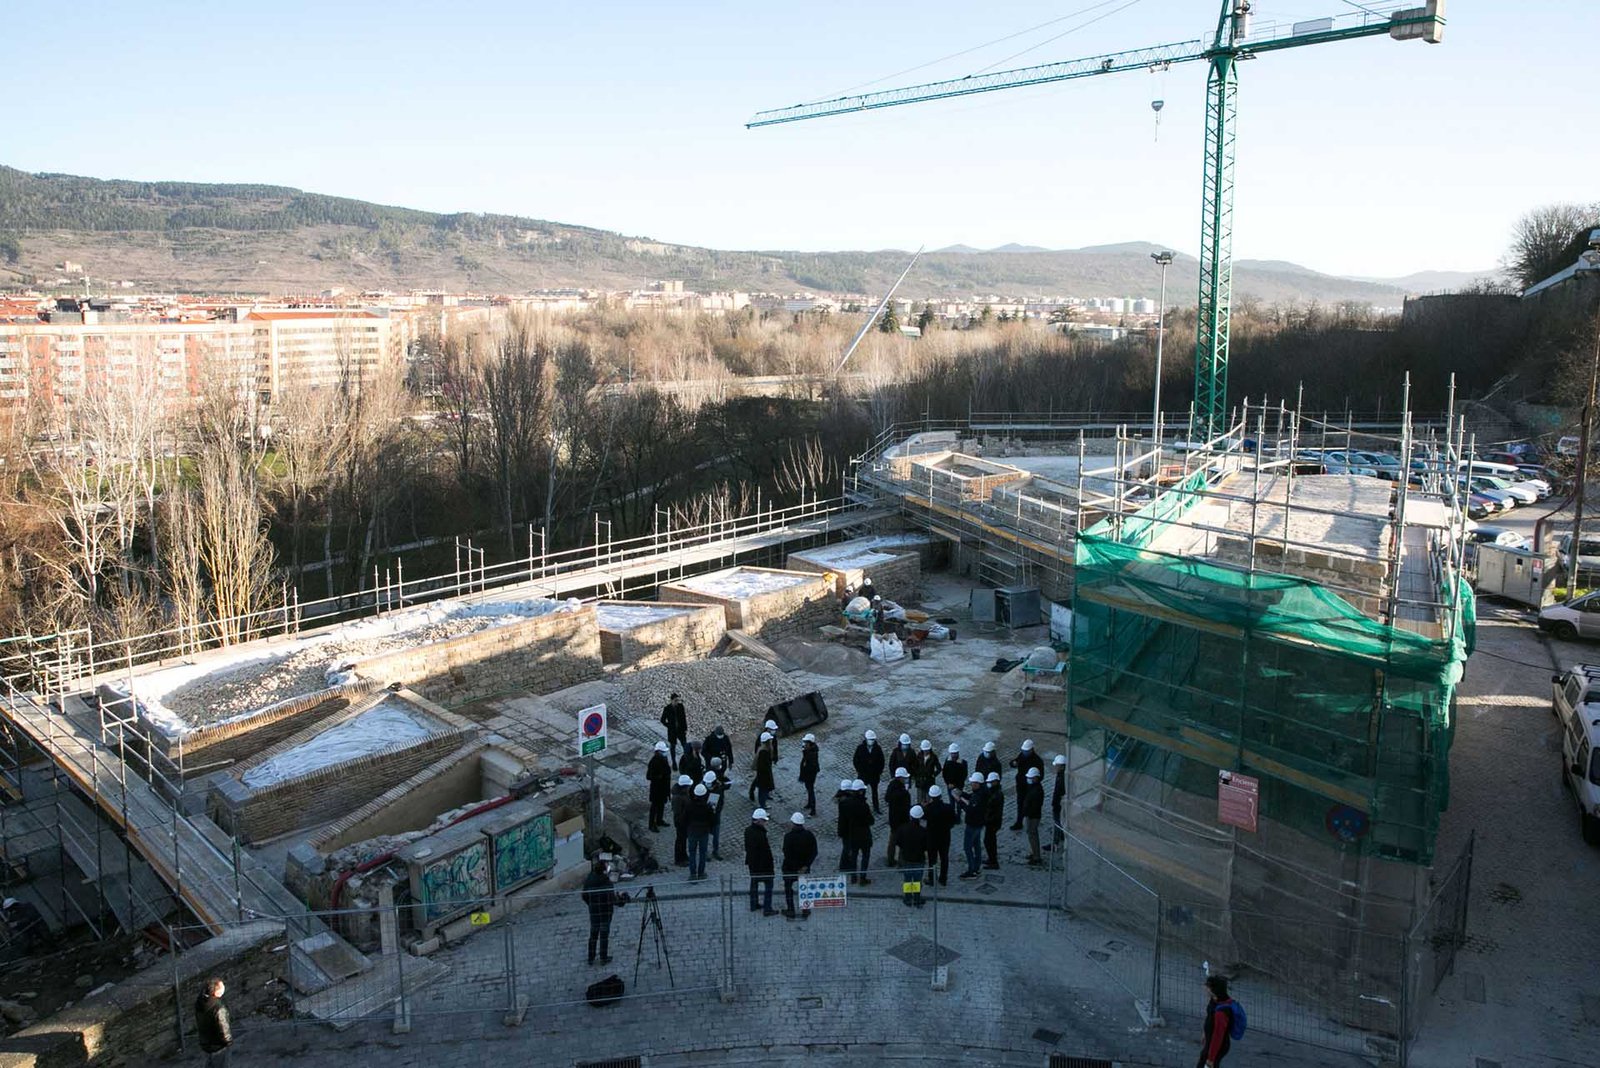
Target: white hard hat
{"x":799,"y":818}
{"x":954,"y":748}
{"x":1033,"y":773}
{"x":976,"y":776}
{"x":766,"y":736}
{"x":709,"y":777}
{"x":857,"y":784}
{"x":8,"y":902}
{"x":700,"y":791}
{"x":871,"y":736}
{"x":988,"y":747}
{"x":925,"y":746}
{"x":771,"y":725}
{"x":901,"y":773}
{"x":661,"y":747}
{"x":716,"y":762}
{"x":809,"y":738}
{"x":934,"y":791}
{"x":1027,"y":745}
{"x":759,"y":814}
{"x":905,"y":739}
{"x":994,"y":776}
{"x":916,"y":812}
{"x":1059,"y":760}
{"x":844,"y":784}
{"x":684,"y":780}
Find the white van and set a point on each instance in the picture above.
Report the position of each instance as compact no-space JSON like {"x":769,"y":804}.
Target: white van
{"x":1576,"y":703}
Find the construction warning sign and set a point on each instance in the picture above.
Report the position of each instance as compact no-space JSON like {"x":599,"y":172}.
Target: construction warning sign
{"x":1238,"y":800}
{"x":822,"y":892}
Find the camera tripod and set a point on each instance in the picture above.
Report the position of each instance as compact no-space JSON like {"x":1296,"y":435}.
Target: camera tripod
{"x":651,"y":918}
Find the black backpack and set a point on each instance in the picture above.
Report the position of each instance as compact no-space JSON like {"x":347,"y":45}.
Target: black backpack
{"x":605,"y":991}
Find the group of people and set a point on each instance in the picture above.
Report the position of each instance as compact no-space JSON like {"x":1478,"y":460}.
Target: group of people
{"x":927,"y":798}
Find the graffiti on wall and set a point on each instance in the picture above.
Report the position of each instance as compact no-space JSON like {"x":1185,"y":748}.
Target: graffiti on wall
{"x":524,"y":852}
{"x":451,"y":883}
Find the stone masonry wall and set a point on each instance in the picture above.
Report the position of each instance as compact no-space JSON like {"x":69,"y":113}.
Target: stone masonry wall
{"x":229,"y":742}
{"x":134,"y":1022}
{"x":688,"y":636}
{"x":540,"y":655}
{"x":799,"y":609}
{"x":1347,"y":573}
{"x":898,"y":579}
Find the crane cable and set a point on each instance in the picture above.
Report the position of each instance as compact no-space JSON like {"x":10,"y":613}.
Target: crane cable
{"x":1057,"y":37}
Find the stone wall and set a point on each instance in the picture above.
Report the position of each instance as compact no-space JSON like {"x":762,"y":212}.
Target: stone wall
{"x":540,"y":655}
{"x":1347,"y":574}
{"x":135,"y":1022}
{"x":897,"y":579}
{"x":690,"y":635}
{"x":228,"y":742}
{"x":798,"y":609}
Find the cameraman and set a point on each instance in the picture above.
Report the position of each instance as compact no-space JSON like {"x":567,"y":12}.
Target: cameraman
{"x":602,"y":899}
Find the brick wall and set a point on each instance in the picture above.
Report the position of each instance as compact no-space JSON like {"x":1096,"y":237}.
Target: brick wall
{"x":798,"y":609}
{"x":540,"y":655}
{"x":688,"y":636}
{"x":135,"y":1022}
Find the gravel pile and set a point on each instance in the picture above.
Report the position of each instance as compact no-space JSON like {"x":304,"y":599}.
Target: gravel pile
{"x":232,"y":692}
{"x":734,"y":691}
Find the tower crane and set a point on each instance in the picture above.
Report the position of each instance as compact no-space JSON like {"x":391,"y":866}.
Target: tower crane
{"x":1234,"y":41}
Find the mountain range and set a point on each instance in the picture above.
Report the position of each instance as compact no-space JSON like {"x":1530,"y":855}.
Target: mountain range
{"x":188,"y":236}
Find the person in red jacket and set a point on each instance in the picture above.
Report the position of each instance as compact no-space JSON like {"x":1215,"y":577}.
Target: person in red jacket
{"x":1219,"y":1022}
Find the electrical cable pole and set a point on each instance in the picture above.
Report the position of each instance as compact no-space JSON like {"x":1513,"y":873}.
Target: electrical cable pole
{"x":1575,"y":541}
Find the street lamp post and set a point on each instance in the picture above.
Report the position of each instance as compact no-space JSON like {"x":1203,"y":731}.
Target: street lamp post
{"x":1591,"y":257}
{"x":1165,"y":260}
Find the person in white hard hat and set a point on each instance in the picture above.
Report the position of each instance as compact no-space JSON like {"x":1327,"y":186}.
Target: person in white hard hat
{"x":913,"y":838}
{"x":658,"y":773}
{"x":924,"y":768}
{"x":1026,"y":760}
{"x":758,"y":858}
{"x":955,"y":770}
{"x":897,"y":799}
{"x":901,"y":755}
{"x":718,"y":744}
{"x":716,"y":794}
{"x":682,"y":794}
{"x":770,"y":727}
{"x":940,"y":817}
{"x":995,"y":796}
{"x":799,"y":853}
{"x":1058,"y":794}
{"x":810,"y":765}
{"x":987,"y":761}
{"x":761,"y":782}
{"x":855,"y":831}
{"x":869,"y":763}
{"x":973,"y":806}
{"x":1030,"y":802}
{"x":701,"y":817}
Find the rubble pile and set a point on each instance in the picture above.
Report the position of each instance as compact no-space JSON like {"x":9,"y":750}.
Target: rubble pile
{"x":733,"y":691}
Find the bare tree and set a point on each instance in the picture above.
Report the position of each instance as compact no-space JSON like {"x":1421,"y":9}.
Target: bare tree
{"x":516,"y":401}
{"x":461,"y":394}
{"x":309,"y":436}
{"x":1547,"y":239}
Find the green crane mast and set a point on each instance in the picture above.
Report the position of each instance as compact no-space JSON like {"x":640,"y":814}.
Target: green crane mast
{"x":1235,"y":40}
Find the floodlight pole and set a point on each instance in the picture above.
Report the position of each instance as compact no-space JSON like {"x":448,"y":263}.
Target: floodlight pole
{"x":1165,"y":260}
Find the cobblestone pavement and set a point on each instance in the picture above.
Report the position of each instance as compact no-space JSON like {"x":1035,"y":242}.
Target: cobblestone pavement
{"x":1526,"y":987}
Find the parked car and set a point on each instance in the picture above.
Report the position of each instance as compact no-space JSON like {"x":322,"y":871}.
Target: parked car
{"x":1575,"y":701}
{"x":1342,"y":462}
{"x":1486,"y":534}
{"x":1503,"y":501}
{"x":1588,"y":556}
{"x":1383,"y":463}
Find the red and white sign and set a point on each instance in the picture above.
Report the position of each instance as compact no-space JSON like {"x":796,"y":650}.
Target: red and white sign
{"x":1238,"y":800}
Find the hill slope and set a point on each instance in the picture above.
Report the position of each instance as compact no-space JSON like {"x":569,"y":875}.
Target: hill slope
{"x":273,"y":239}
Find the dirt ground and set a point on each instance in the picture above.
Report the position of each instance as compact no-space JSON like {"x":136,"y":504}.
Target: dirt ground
{"x":61,"y":974}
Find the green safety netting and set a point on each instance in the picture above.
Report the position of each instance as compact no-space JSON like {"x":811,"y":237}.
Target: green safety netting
{"x":1181,"y":665}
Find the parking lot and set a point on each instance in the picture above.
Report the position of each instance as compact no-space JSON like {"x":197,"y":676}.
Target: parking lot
{"x":1526,"y":988}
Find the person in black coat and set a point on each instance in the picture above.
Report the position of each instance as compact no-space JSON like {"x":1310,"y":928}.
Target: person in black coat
{"x":867,"y":590}
{"x":676,"y":720}
{"x":700,"y":817}
{"x":940,"y":817}
{"x":913,"y":856}
{"x":987,"y":761}
{"x":1030,"y":803}
{"x":761,"y":783}
{"x":973,"y":807}
{"x":995,"y":798}
{"x":1058,"y":794}
{"x":717,"y":795}
{"x":869,"y":763}
{"x":897,"y":798}
{"x":211,"y":1023}
{"x":658,"y":773}
{"x":1026,"y":760}
{"x":799,"y":853}
{"x":855,"y":827}
{"x":901,"y":755}
{"x":28,"y":929}
{"x":718,"y":744}
{"x":758,"y":858}
{"x":691,"y":763}
{"x":924,"y":769}
{"x":680,"y":824}
{"x":810,"y":765}
{"x":602,"y":900}
{"x":955,"y":770}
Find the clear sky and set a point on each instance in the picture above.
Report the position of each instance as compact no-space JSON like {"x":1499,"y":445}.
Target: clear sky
{"x":1370,"y":157}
